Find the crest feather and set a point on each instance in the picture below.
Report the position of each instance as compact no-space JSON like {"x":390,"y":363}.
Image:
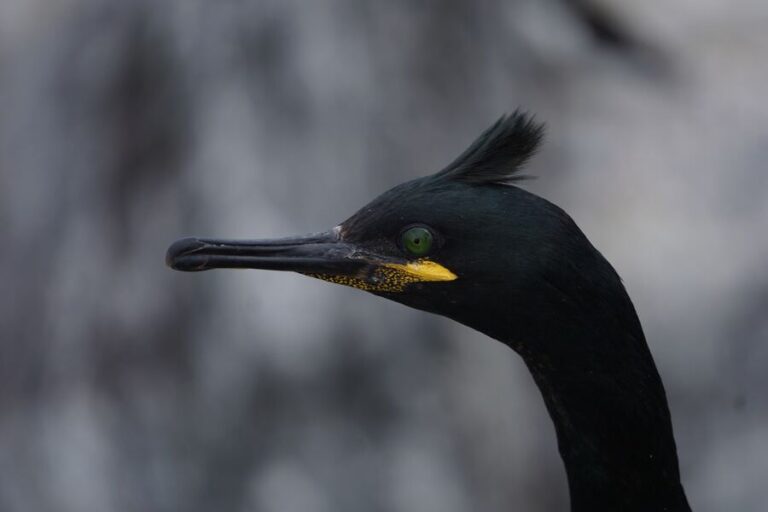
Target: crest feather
{"x":499,"y":153}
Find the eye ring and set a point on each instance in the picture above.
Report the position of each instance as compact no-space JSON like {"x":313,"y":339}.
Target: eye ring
{"x":418,"y":240}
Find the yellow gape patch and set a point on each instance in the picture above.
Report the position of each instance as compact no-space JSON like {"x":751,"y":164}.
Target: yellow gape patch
{"x":393,"y":277}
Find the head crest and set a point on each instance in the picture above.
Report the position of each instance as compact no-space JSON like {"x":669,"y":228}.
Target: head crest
{"x":499,"y":153}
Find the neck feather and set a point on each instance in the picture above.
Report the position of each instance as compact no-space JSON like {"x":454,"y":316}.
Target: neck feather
{"x":613,"y":425}
{"x":601,"y":387}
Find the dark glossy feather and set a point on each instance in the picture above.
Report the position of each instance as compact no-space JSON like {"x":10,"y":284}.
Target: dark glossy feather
{"x":499,"y":153}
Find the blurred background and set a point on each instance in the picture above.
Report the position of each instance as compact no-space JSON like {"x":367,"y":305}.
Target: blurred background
{"x":125,"y":386}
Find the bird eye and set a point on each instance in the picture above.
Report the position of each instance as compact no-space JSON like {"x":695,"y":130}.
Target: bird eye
{"x":417,"y":240}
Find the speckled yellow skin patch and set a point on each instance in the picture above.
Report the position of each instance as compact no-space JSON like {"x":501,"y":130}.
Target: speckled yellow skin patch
{"x":393,"y":277}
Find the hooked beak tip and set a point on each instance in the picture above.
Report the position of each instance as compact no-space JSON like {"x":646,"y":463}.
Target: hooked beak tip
{"x":180,"y":248}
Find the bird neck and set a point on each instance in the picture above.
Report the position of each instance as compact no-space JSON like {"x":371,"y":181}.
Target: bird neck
{"x":601,"y":387}
{"x":613,"y":428}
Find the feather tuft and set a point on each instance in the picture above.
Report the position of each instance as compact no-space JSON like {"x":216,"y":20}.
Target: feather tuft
{"x":499,"y":153}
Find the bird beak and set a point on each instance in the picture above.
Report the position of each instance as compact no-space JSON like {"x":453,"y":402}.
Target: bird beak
{"x":323,"y":255}
{"x":318,"y":253}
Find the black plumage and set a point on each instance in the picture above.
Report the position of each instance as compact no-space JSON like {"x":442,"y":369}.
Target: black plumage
{"x":498,"y":155}
{"x":466,"y":244}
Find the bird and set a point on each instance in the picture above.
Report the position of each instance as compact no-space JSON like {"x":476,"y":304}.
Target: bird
{"x":469,"y":243}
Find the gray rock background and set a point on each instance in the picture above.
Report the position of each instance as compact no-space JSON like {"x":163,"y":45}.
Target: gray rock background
{"x":125,"y":125}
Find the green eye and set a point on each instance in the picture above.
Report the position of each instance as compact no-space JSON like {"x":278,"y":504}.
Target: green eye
{"x":417,"y":241}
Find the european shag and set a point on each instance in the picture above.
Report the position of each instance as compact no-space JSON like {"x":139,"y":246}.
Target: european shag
{"x":468,"y":244}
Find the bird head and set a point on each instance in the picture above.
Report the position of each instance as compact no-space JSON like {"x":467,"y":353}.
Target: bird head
{"x":453,"y":243}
